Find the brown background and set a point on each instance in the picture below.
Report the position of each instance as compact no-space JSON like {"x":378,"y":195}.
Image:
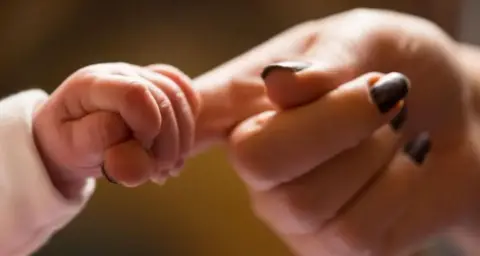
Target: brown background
{"x":205,"y":212}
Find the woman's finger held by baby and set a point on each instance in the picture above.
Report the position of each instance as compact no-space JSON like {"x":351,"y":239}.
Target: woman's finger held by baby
{"x":294,"y":83}
{"x":128,"y":164}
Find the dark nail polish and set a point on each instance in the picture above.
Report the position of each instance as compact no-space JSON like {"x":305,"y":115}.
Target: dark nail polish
{"x":293,"y":66}
{"x":398,"y":121}
{"x":418,"y":148}
{"x":107,"y":177}
{"x":389,"y":90}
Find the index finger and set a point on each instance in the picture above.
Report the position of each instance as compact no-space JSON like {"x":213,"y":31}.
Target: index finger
{"x":273,"y":148}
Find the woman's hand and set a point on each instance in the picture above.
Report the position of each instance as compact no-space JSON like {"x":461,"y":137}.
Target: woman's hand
{"x":325,"y":169}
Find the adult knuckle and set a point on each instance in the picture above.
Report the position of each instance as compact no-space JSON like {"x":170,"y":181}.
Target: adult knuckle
{"x":252,"y":168}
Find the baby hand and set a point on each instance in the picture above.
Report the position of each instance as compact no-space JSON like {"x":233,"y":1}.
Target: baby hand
{"x":131,"y":123}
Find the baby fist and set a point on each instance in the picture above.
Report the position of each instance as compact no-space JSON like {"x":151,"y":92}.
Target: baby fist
{"x":132,"y":123}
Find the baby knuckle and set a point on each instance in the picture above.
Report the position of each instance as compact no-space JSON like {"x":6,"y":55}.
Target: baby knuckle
{"x":137,"y":92}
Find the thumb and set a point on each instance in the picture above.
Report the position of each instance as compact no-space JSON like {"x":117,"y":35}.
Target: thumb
{"x":293,"y":83}
{"x":91,"y":135}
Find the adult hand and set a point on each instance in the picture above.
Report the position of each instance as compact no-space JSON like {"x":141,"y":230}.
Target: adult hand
{"x":325,"y":169}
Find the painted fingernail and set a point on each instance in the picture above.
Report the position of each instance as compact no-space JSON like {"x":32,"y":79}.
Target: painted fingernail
{"x":398,"y":121}
{"x":107,"y":176}
{"x":389,"y":90}
{"x":418,"y":148}
{"x":293,"y":66}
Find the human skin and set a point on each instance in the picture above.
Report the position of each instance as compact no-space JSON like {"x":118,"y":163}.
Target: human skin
{"x":289,"y":173}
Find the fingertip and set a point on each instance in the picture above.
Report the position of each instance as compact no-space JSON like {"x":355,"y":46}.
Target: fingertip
{"x":161,"y":176}
{"x":398,"y":121}
{"x":291,"y":84}
{"x":290,"y":66}
{"x":375,"y":99}
{"x":128,"y":164}
{"x":418,"y":148}
{"x":388,"y":90}
{"x":177,"y":169}
{"x":160,"y":180}
{"x":106,"y":175}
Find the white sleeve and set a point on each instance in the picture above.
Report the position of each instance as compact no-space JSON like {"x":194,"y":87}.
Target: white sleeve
{"x":31,"y":209}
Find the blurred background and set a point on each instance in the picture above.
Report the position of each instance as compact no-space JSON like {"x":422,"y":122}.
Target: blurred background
{"x":205,"y":211}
